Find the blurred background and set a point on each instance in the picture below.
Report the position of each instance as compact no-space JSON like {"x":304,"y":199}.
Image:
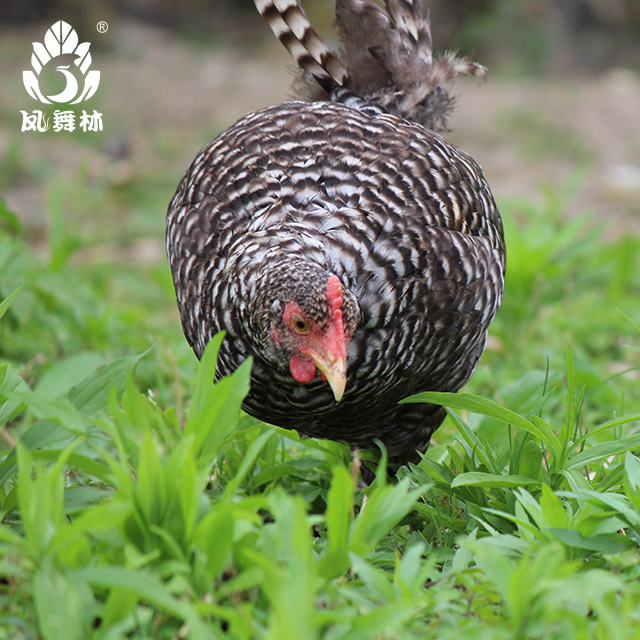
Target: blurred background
{"x":561,"y":104}
{"x":556,"y":128}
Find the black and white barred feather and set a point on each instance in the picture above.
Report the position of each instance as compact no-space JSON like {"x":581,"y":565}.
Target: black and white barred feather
{"x":290,"y":24}
{"x":356,"y":185}
{"x":385,"y":56}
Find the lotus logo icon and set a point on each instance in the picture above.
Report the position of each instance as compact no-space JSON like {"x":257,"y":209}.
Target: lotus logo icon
{"x":59,"y":40}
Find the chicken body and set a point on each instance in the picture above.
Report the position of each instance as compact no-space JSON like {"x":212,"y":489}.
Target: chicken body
{"x":292,"y":196}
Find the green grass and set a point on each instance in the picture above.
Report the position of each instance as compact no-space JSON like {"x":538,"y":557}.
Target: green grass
{"x":136,"y":501}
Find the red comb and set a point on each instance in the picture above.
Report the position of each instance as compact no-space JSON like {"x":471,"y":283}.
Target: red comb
{"x":335,"y":335}
{"x":334,"y":292}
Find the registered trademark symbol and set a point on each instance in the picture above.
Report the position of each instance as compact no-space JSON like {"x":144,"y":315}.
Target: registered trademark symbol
{"x":102,"y":26}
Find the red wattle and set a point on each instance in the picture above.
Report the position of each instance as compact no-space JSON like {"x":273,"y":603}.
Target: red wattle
{"x":302,"y":369}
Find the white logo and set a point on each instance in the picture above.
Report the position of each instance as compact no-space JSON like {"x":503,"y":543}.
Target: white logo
{"x":59,"y":40}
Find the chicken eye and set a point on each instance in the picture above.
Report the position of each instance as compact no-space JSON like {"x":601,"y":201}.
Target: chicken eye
{"x":300,"y":325}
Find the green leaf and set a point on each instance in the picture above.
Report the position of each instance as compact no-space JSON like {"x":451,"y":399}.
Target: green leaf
{"x":632,"y":479}
{"x":530,"y":461}
{"x":92,"y":394}
{"x":42,"y":433}
{"x":205,"y":374}
{"x":119,"y":604}
{"x":632,"y":469}
{"x":10,"y":383}
{"x":40,"y":499}
{"x":273,"y":472}
{"x":339,"y":508}
{"x":607,"y":425}
{"x":552,"y":509}
{"x":103,"y":517}
{"x":64,"y":607}
{"x":607,"y":501}
{"x":462,"y":557}
{"x":480,"y":479}
{"x":78,"y":499}
{"x":531,"y":506}
{"x":8,"y":219}
{"x":384,"y":621}
{"x":214,"y":416}
{"x":473,"y":441}
{"x":146,"y":586}
{"x":570,"y":411}
{"x":151,"y":489}
{"x":64,"y":374}
{"x":4,"y":305}
{"x":376,"y":580}
{"x":410,"y":571}
{"x":387,"y":505}
{"x":79,"y":462}
{"x":248,"y":460}
{"x":604,"y":450}
{"x":528,"y":532}
{"x":485,"y":407}
{"x":290,"y":579}
{"x":214,"y":537}
{"x":605,"y":543}
{"x":553,"y":442}
{"x":576,"y":481}
{"x":53,"y":409}
{"x":339,"y":516}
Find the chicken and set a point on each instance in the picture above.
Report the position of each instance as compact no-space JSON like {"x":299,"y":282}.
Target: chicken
{"x":341,"y":242}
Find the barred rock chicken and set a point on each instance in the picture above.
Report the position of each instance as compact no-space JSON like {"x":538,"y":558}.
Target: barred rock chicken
{"x":352,"y":251}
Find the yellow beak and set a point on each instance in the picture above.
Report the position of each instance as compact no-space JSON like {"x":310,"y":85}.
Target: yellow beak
{"x":335,"y":371}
